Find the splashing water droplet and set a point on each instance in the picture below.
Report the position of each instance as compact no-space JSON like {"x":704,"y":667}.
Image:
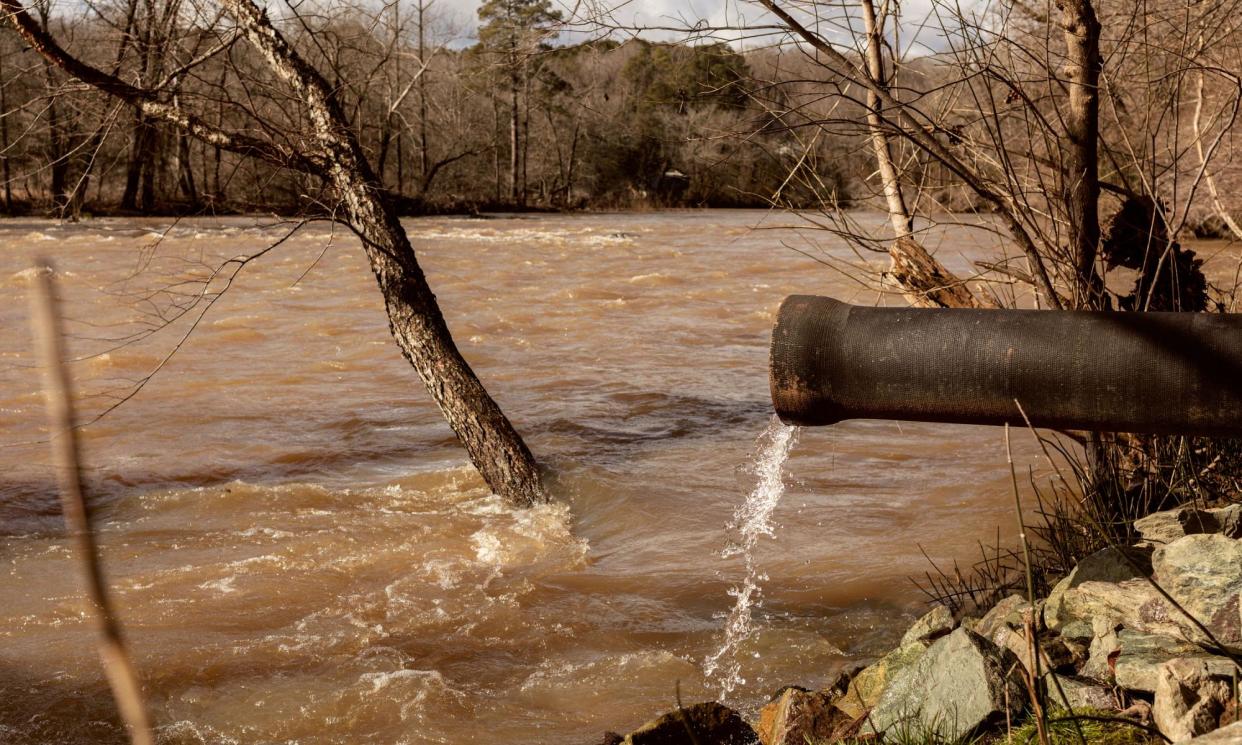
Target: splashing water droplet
{"x":751,"y":521}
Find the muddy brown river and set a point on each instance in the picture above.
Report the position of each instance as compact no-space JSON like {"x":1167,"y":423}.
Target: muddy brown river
{"x":300,"y":552}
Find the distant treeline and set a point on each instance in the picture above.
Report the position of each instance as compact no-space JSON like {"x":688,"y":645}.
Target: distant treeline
{"x":513,"y":121}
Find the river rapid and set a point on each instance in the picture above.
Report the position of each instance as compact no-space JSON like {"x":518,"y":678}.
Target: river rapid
{"x":300,"y":552}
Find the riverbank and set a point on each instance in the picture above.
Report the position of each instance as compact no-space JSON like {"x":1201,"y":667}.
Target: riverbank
{"x":1137,"y":644}
{"x":407,"y":206}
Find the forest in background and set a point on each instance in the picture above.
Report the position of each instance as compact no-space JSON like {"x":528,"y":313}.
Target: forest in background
{"x":519,"y":119}
{"x":512,"y":121}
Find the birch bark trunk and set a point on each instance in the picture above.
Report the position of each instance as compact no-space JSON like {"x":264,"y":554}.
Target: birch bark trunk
{"x":925,"y":281}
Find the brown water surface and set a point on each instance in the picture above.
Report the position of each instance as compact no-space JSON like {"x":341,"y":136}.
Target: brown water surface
{"x":301,"y":554}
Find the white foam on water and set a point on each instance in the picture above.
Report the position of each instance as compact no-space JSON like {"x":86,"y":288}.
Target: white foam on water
{"x":223,"y":586}
{"x":563,"y":236}
{"x":189,"y":732}
{"x":751,"y":521}
{"x":603,"y":671}
{"x":381,"y":680}
{"x":488,"y":548}
{"x":26,"y":276}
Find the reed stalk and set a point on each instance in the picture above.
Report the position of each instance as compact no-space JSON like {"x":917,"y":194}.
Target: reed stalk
{"x":113,"y":652}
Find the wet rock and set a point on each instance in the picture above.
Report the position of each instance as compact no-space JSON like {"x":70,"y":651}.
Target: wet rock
{"x":1230,"y":735}
{"x":1190,"y":698}
{"x":1204,"y":574}
{"x":1162,"y":528}
{"x":612,"y":738}
{"x":701,"y":723}
{"x":1140,"y":657}
{"x":1106,"y":567}
{"x":958,"y":685}
{"x":866,"y":687}
{"x":1212,"y":227}
{"x":932,"y":626}
{"x":797,"y":716}
{"x":837,"y":687}
{"x":1006,"y":613}
{"x":784,"y":689}
{"x":1079,"y":695}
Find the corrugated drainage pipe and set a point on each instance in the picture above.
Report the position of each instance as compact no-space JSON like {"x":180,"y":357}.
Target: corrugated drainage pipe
{"x":1168,"y":373}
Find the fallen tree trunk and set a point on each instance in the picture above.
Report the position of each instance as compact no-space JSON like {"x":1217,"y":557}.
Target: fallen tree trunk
{"x":926,"y":282}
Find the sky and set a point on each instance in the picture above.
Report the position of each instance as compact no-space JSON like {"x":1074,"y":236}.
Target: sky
{"x":919,"y":25}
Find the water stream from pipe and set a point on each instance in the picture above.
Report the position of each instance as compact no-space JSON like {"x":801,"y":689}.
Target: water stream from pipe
{"x":751,"y":521}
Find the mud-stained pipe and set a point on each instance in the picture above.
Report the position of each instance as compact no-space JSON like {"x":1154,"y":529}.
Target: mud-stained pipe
{"x":1167,"y":373}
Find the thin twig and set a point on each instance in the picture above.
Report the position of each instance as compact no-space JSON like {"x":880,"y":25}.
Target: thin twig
{"x":1032,"y":634}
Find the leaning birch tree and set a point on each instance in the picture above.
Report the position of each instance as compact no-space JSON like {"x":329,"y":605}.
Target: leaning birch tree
{"x":328,"y":149}
{"x":926,"y":282}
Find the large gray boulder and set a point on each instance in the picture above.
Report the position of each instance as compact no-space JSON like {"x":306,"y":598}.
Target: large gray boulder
{"x":1162,"y":528}
{"x":1108,"y":566}
{"x":1190,"y":698}
{"x":1204,"y":574}
{"x":1140,"y":658}
{"x":1231,"y":735}
{"x":867,"y":686}
{"x":956,"y":686}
